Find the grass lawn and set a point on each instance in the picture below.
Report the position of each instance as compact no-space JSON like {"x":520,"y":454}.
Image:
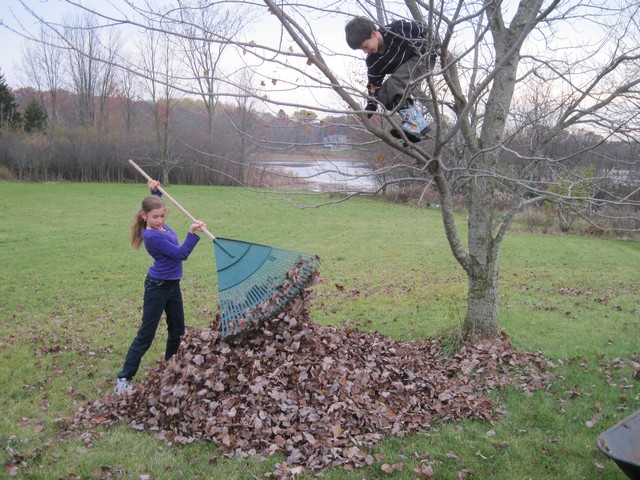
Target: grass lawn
{"x":71,"y":294}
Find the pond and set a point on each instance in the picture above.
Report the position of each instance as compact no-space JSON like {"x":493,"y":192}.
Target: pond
{"x":326,"y":175}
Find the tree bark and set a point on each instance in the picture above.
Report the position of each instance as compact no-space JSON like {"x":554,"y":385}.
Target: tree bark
{"x":482,"y":302}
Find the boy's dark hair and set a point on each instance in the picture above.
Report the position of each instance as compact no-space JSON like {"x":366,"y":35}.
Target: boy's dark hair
{"x":358,"y":30}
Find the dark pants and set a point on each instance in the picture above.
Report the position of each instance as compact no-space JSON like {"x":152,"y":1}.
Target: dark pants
{"x":159,"y":296}
{"x":397,"y":84}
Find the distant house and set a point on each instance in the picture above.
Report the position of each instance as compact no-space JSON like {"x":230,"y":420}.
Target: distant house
{"x":335,"y":143}
{"x":623,"y":177}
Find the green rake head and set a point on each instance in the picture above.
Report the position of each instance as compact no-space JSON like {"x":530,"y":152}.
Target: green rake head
{"x":255,"y":282}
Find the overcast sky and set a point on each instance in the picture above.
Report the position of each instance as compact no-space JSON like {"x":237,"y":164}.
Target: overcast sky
{"x":329,"y":30}
{"x":11,"y":44}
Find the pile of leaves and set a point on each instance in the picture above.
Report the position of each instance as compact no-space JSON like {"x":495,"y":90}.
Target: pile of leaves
{"x":323,"y":396}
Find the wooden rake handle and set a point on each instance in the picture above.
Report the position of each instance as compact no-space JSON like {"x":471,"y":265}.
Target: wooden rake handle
{"x":165,"y":194}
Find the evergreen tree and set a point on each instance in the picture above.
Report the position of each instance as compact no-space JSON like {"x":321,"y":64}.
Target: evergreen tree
{"x":9,"y":115}
{"x":35,"y":117}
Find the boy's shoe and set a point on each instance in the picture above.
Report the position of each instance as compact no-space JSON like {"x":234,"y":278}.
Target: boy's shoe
{"x":123,"y":386}
{"x":410,"y":136}
{"x":414,"y":123}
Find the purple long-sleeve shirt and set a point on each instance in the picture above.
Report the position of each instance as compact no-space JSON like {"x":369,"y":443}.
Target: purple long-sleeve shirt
{"x":167,"y":252}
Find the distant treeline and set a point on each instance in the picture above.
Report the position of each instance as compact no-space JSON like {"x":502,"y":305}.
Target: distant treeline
{"x":184,"y":142}
{"x":175,"y":138}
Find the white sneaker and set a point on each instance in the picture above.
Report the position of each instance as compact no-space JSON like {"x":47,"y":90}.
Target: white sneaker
{"x":413,"y":121}
{"x":123,"y":386}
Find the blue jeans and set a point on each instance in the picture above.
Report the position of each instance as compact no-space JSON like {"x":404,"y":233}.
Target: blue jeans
{"x":159,"y":296}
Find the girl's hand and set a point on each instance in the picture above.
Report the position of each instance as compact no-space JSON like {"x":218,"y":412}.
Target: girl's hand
{"x":153,"y":185}
{"x":197,"y":227}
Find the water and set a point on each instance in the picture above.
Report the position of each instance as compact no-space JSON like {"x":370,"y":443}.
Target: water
{"x":326,"y":175}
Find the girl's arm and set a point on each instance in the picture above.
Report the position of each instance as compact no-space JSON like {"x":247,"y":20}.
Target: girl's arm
{"x":157,"y":244}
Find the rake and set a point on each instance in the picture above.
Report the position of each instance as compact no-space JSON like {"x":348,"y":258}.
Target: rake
{"x":255,"y":282}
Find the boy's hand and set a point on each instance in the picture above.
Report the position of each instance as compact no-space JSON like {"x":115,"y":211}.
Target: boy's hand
{"x":153,"y":185}
{"x":370,"y":107}
{"x":446,"y":55}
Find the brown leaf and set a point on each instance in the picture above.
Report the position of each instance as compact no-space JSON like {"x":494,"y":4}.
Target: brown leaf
{"x":594,"y":420}
{"x":386,"y":468}
{"x":23,"y":422}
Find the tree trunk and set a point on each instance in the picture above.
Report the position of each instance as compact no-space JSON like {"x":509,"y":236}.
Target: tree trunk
{"x":482,"y":270}
{"x":482,"y":305}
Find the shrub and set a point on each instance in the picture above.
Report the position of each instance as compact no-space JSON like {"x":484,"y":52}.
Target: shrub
{"x":5,"y":173}
{"x":533,"y":219}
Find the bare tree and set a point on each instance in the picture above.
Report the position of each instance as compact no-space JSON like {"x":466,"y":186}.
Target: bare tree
{"x":244,"y":126}
{"x":157,"y":65}
{"x":81,"y":34}
{"x":128,"y":88}
{"x":90,"y":63}
{"x":204,"y":35}
{"x":473,"y":110}
{"x":106,"y":82}
{"x":41,"y":64}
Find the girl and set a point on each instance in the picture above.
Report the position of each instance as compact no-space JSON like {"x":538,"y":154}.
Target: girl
{"x":162,"y":285}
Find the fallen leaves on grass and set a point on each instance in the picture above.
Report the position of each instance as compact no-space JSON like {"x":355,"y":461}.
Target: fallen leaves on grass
{"x":322,"y":396}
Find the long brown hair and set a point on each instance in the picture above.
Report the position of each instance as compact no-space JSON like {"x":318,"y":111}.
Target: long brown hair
{"x":150,"y":202}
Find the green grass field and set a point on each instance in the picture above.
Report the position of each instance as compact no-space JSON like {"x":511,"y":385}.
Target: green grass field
{"x":71,"y":294}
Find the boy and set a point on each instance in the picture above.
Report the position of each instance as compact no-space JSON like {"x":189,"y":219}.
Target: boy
{"x":395,"y":50}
